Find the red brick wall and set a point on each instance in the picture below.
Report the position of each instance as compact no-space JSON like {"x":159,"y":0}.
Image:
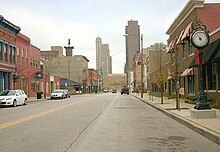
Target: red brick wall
{"x":30,"y":67}
{"x":210,"y":16}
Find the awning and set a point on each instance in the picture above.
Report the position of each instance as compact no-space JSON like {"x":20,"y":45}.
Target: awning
{"x":217,"y":56}
{"x":187,"y":31}
{"x":169,"y":47}
{"x":179,"y":38}
{"x":210,"y":53}
{"x":186,"y":72}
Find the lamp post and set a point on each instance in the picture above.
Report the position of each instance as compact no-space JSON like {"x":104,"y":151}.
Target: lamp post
{"x":200,"y":39}
{"x":142,"y":64}
{"x":142,"y":67}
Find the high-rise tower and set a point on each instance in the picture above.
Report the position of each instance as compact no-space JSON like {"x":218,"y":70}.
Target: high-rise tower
{"x":132,"y":42}
{"x":103,"y":58}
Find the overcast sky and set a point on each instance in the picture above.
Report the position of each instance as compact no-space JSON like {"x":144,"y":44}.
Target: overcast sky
{"x":53,"y":22}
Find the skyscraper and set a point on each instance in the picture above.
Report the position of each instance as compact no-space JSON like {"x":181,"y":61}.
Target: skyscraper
{"x":103,"y":58}
{"x":132,"y":42}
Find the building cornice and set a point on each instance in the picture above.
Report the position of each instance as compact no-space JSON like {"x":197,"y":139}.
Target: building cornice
{"x":189,"y":7}
{"x":9,"y":26}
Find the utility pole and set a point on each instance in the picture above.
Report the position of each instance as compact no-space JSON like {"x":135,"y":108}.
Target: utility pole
{"x":142,"y":67}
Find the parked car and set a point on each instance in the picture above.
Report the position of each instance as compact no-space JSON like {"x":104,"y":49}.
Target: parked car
{"x":114,"y":91}
{"x":13,"y":98}
{"x":57,"y":94}
{"x":125,"y":90}
{"x":67,"y":93}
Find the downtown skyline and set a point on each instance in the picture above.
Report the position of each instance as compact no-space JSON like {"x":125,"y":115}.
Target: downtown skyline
{"x":54,"y":22}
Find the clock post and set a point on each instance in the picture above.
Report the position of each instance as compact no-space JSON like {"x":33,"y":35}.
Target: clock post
{"x":200,"y":39}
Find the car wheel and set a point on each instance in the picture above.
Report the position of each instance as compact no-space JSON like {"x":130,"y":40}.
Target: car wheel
{"x":51,"y":98}
{"x":25,"y":101}
{"x":14,"y":103}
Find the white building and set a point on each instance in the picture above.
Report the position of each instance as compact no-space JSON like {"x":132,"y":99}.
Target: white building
{"x":103,"y":58}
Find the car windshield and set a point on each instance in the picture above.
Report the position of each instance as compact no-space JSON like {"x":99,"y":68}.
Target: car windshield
{"x":58,"y":91}
{"x":8,"y":93}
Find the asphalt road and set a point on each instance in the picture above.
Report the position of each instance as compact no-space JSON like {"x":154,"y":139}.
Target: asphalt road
{"x":95,"y":123}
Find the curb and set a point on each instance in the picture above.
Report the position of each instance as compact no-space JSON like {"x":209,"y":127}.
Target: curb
{"x":36,"y":100}
{"x":206,"y":132}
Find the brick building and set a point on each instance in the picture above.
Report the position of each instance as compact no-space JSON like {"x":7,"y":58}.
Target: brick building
{"x":8,"y":32}
{"x":182,"y":53}
{"x":94,"y":83}
{"x":20,"y":62}
{"x":114,"y":81}
{"x":29,"y":70}
{"x":72,"y":67}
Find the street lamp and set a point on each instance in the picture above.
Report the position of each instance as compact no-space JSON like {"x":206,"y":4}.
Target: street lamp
{"x":142,"y":64}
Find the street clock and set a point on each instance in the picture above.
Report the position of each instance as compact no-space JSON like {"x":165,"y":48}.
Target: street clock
{"x":200,"y":39}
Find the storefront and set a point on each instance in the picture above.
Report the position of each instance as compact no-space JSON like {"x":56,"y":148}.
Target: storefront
{"x":8,"y":32}
{"x":6,"y":81}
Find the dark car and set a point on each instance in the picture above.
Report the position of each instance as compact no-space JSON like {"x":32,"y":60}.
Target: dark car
{"x":114,"y":91}
{"x":125,"y":90}
{"x":67,"y":93}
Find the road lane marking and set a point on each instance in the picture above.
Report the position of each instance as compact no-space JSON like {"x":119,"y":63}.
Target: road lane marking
{"x":12,"y":123}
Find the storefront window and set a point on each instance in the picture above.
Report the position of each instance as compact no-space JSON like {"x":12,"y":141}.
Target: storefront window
{"x":212,"y":76}
{"x":32,"y":84}
{"x":173,"y":87}
{"x":191,"y":84}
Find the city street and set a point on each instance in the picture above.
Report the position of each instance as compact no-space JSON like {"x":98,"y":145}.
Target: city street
{"x":95,"y":123}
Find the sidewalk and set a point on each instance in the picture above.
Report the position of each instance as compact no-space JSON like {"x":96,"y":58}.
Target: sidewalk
{"x":33,"y":99}
{"x":209,"y":127}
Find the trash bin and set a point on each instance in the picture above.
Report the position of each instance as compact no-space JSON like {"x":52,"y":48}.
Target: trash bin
{"x":39,"y":95}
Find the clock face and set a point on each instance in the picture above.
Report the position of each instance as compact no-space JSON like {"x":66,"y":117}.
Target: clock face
{"x":200,"y":39}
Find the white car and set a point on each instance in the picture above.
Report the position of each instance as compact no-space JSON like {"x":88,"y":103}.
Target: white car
{"x":57,"y":94}
{"x":13,"y":98}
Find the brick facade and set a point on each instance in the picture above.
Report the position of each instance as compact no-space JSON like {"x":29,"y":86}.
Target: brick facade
{"x":194,"y":11}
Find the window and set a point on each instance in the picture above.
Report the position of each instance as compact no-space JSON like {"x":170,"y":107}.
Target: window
{"x":13,"y":54}
{"x":27,"y":57}
{"x":32,"y":84}
{"x":212,"y":76}
{"x":173,"y":87}
{"x":184,"y":51}
{"x":31,"y":61}
{"x":191,"y":49}
{"x":18,"y":55}
{"x":10,"y":55}
{"x":6,"y":52}
{"x":173,"y":57}
{"x":0,"y":51}
{"x":22,"y":55}
{"x":191,"y":84}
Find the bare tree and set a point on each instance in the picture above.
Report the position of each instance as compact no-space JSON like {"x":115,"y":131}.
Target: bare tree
{"x":160,"y":59}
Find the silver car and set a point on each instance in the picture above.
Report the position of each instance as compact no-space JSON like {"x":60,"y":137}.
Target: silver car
{"x":13,"y":98}
{"x":57,"y":94}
